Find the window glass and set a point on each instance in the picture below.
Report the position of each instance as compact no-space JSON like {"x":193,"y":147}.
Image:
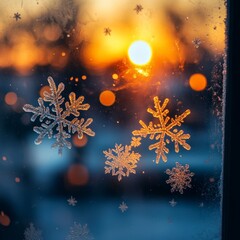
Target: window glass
{"x":111,"y":119}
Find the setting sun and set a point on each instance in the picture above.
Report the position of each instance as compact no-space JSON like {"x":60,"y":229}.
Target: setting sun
{"x":140,"y":53}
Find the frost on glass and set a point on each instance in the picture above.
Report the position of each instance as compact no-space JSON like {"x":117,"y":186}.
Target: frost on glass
{"x":123,"y":207}
{"x":72,"y":201}
{"x":164,"y":129}
{"x":136,"y":91}
{"x":79,"y":232}
{"x":31,"y":233}
{"x":180,"y":177}
{"x":121,"y":161}
{"x":54,"y":117}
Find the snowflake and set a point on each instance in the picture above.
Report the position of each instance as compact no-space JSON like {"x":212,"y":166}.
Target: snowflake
{"x":17,"y":16}
{"x":163,"y":130}
{"x":179,"y":177}
{"x":72,"y":201}
{"x":56,"y":117}
{"x":136,"y":141}
{"x":79,"y":232}
{"x":173,"y":203}
{"x":123,"y":161}
{"x":138,"y":8}
{"x":31,"y":233}
{"x":123,"y":207}
{"x":196,"y":42}
{"x":107,"y":31}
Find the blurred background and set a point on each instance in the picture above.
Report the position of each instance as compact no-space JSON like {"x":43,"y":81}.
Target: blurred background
{"x":87,"y":45}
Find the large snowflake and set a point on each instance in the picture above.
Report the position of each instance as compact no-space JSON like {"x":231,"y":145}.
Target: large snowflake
{"x":31,"y":233}
{"x":79,"y":232}
{"x":121,"y":161}
{"x":164,"y":130}
{"x":179,"y":177}
{"x":55,"y":117}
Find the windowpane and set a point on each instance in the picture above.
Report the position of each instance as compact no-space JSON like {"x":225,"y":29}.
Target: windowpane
{"x":111,"y":119}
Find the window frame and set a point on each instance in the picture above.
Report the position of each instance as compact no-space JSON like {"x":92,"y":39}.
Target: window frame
{"x":231,"y":163}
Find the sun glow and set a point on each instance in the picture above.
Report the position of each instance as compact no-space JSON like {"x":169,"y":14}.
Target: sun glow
{"x":140,"y":53}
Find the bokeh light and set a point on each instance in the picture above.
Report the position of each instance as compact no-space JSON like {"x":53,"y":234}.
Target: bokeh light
{"x":115,"y":76}
{"x":43,"y":89}
{"x":52,"y":32}
{"x":11,"y":98}
{"x":17,"y":180}
{"x":4,"y":219}
{"x":107,"y":98}
{"x":77,"y":175}
{"x":84,"y":77}
{"x":80,"y":142}
{"x":198,"y":82}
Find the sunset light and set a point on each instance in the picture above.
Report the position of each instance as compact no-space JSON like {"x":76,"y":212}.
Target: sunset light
{"x":140,"y":53}
{"x":113,"y":117}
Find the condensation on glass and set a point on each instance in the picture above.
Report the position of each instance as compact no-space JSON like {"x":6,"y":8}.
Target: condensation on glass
{"x":111,"y":119}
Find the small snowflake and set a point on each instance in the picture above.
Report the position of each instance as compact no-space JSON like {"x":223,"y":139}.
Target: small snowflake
{"x":72,"y":201}
{"x":179,"y":177}
{"x":123,"y":207}
{"x":201,"y":205}
{"x":79,"y":232}
{"x":196,"y":42}
{"x":107,"y":31}
{"x":56,"y":117}
{"x":123,"y":161}
{"x":164,"y":130}
{"x":138,"y":8}
{"x":17,"y":16}
{"x":173,"y":203}
{"x":31,"y":233}
{"x":136,"y":141}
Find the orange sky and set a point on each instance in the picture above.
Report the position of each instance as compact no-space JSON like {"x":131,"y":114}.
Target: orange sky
{"x":169,"y":29}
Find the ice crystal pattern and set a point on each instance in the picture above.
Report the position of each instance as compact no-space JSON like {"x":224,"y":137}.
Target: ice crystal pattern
{"x":136,"y":142}
{"x":138,"y":8}
{"x":107,"y":31}
{"x":123,"y":207}
{"x":164,"y":130}
{"x":31,"y":233}
{"x":121,"y":161}
{"x":79,"y":232}
{"x":72,"y":201}
{"x":179,"y":177}
{"x":54,"y":117}
{"x":17,"y":16}
{"x":173,"y":203}
{"x":196,"y":42}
